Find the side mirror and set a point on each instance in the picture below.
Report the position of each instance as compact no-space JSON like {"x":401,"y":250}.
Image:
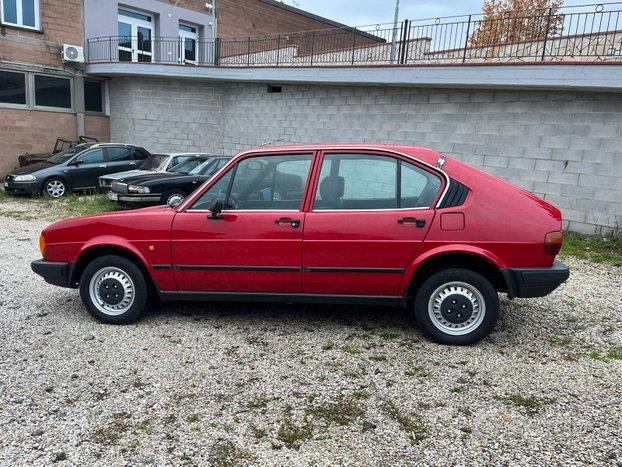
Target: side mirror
{"x":215,"y":208}
{"x":77,"y":162}
{"x":174,"y":201}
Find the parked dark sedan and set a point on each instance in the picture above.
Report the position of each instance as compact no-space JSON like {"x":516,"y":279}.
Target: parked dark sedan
{"x":163,"y":188}
{"x":75,"y":169}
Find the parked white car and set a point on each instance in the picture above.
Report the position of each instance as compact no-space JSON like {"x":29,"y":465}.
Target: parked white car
{"x":155,"y":163}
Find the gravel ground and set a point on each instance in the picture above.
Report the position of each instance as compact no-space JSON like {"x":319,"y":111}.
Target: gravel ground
{"x":242,"y":384}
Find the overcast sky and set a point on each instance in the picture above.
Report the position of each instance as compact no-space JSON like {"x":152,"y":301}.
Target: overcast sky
{"x":364,"y":12}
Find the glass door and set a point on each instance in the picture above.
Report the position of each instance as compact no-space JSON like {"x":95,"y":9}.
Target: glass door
{"x":188,"y":40}
{"x":135,"y":37}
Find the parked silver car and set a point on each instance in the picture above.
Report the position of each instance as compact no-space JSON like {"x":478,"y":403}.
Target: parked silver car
{"x":156,"y":163}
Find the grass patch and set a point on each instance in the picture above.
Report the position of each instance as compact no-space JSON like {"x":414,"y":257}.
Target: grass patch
{"x":595,"y":248}
{"x":341,"y":411}
{"x":259,"y":433}
{"x":70,"y":206}
{"x":328,"y":345}
{"x":144,"y":427}
{"x":530,"y":403}
{"x":614,"y":353}
{"x":378,"y":358}
{"x":411,"y":424}
{"x":293,"y":436}
{"x":227,"y":454}
{"x":259,"y":402}
{"x":110,"y":433}
{"x":559,"y":341}
{"x":194,"y":418}
{"x":350,"y":349}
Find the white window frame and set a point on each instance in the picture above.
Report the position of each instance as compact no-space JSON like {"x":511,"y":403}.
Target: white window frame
{"x":135,"y":23}
{"x":20,"y":16}
{"x":183,"y":35}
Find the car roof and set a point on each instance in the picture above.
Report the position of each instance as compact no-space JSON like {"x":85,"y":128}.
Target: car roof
{"x":427,"y":155}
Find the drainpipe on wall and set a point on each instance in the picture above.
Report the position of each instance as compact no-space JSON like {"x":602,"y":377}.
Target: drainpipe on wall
{"x":78,"y":99}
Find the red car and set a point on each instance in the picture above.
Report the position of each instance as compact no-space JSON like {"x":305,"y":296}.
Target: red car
{"x":349,"y":224}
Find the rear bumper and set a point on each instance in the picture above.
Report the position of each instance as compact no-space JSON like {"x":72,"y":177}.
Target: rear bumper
{"x":54,"y":273}
{"x":535,"y":282}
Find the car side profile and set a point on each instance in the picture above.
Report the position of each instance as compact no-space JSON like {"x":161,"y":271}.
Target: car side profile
{"x":75,"y":169}
{"x":157,"y":163}
{"x":164,"y":187}
{"x":351,"y":224}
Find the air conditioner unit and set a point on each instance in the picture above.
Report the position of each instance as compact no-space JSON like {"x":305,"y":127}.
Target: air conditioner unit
{"x":72,"y":53}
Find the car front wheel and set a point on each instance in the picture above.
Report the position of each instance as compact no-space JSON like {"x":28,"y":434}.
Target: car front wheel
{"x":55,"y":188}
{"x":457,"y":306}
{"x":114,"y":290}
{"x":174,"y":195}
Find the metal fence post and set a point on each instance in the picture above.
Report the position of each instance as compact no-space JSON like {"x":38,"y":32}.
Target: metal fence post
{"x":248,"y":52}
{"x":217,"y":51}
{"x":546,"y":34}
{"x":353,"y":45}
{"x":466,"y":40}
{"x":312,"y":46}
{"x":278,"y":49}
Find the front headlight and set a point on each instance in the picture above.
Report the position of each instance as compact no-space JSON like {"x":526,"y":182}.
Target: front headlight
{"x":25,"y":178}
{"x":137,"y":189}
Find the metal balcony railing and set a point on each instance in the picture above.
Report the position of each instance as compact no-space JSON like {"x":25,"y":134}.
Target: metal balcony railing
{"x":585,"y":33}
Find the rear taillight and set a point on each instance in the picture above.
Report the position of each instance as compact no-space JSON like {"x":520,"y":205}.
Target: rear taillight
{"x":553,"y":242}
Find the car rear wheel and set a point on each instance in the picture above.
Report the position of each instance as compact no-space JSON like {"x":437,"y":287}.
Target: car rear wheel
{"x":457,"y":306}
{"x":55,"y":188}
{"x":114,"y":290}
{"x":173,"y":194}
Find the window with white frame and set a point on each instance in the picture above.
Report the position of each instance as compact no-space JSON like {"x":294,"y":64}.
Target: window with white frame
{"x":22,"y":13}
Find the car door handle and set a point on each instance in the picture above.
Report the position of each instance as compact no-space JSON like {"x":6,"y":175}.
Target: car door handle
{"x":132,"y":163}
{"x":288,"y":220}
{"x":103,"y":166}
{"x":411,"y":220}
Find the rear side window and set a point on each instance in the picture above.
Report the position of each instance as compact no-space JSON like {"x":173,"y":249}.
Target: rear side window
{"x":141,"y":153}
{"x":361,"y":181}
{"x":116,"y":154}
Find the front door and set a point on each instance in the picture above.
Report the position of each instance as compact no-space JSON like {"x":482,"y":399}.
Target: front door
{"x":135,"y":36}
{"x":255,"y":244}
{"x":369,"y":216}
{"x":120,"y":159}
{"x":86,"y":169}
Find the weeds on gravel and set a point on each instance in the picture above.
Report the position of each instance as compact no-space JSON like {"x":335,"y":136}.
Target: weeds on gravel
{"x":417,"y":370}
{"x":258,"y":402}
{"x":341,"y":411}
{"x":614,"y":353}
{"x":69,"y":206}
{"x":259,"y":433}
{"x":412,"y":424}
{"x":328,"y":345}
{"x":576,"y":322}
{"x":144,"y":427}
{"x":293,"y":436}
{"x":595,"y":248}
{"x":531,"y":404}
{"x":60,"y":457}
{"x":378,"y":358}
{"x":350,"y":349}
{"x":194,"y":418}
{"x":110,"y":433}
{"x":227,"y":454}
{"x":559,"y":341}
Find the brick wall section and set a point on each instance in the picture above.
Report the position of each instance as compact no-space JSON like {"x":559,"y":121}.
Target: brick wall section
{"x":97,"y":126}
{"x":32,"y":131}
{"x":564,"y":146}
{"x":61,"y":23}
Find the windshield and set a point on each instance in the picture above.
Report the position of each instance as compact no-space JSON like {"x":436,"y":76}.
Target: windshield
{"x":191,"y":166}
{"x":155,"y":163}
{"x":64,"y":156}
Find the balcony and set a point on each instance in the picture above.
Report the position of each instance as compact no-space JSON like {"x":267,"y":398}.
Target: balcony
{"x":589,"y":34}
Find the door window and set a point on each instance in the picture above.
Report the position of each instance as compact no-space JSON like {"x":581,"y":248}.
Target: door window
{"x":261,"y":183}
{"x":360,"y":181}
{"x":188,"y":38}
{"x":119,"y":154}
{"x":135,"y":36}
{"x":96,"y":156}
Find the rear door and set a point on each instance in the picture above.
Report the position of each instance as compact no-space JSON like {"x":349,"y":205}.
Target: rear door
{"x":120,"y":159}
{"x":255,"y":245}
{"x":369,"y":215}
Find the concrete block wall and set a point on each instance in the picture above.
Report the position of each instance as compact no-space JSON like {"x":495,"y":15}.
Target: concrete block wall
{"x":563,"y":146}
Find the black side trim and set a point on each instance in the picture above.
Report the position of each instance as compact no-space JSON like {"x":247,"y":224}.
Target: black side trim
{"x":363,"y":270}
{"x":386,"y":300}
{"x":54,"y":273}
{"x":161,"y":266}
{"x":210,"y":267}
{"x":535,"y":282}
{"x":456,"y":194}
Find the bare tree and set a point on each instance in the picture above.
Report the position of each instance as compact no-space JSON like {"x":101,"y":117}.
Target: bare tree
{"x":517,"y":20}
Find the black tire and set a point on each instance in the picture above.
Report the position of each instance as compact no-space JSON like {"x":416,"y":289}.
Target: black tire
{"x":46,"y":189}
{"x":480,"y":326}
{"x":170,"y":193}
{"x":138,"y":306}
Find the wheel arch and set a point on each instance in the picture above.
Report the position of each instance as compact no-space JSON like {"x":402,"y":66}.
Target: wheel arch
{"x":96,"y":250}
{"x":466,"y":257}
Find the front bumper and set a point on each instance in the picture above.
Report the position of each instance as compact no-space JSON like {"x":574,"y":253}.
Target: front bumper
{"x":54,"y":273}
{"x":131,"y":198}
{"x":23,"y":188}
{"x":535,"y":282}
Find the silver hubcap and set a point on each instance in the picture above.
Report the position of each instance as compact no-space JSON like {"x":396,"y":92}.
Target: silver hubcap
{"x":112,"y":291}
{"x":456,"y":308}
{"x":55,"y":188}
{"x":175,"y":199}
